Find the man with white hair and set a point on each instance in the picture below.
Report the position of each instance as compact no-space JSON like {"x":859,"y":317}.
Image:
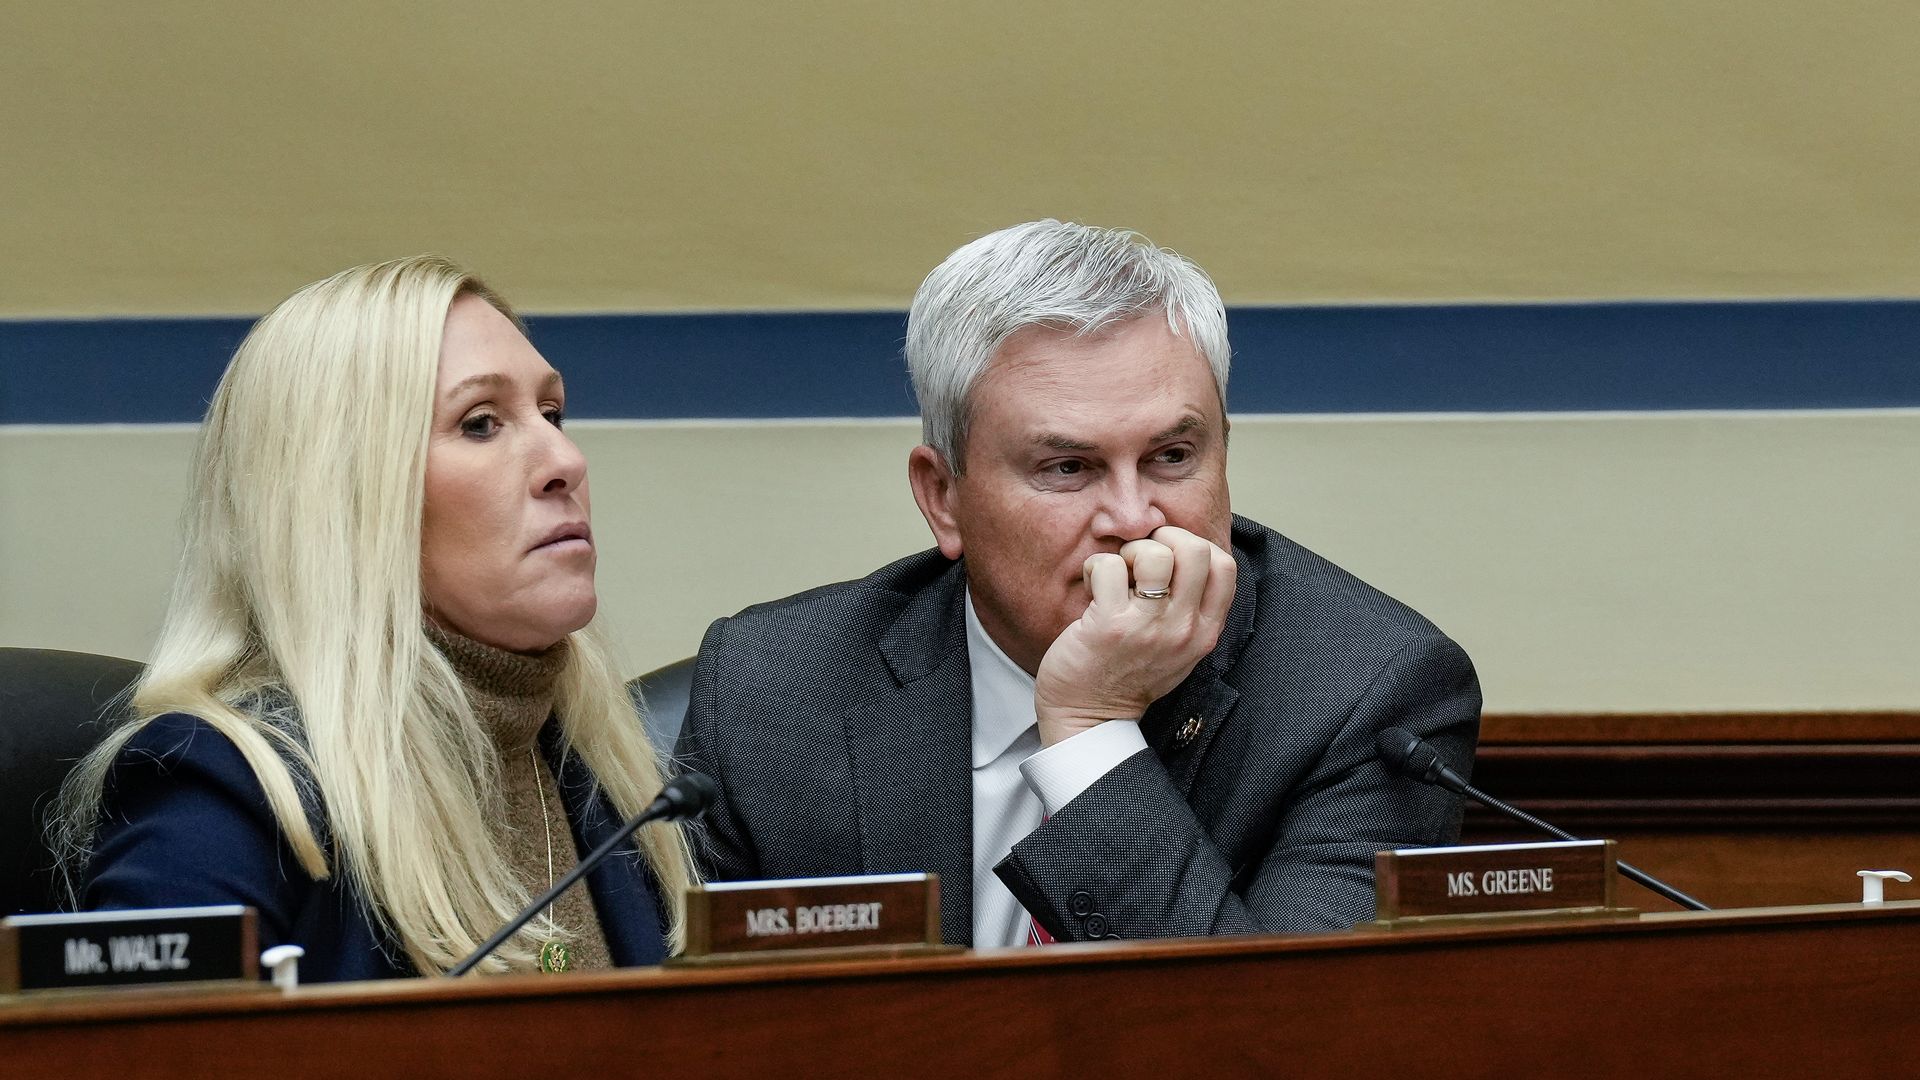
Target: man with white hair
{"x":1102,"y":706}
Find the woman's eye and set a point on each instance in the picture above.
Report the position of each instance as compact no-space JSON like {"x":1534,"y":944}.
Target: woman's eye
{"x":479,"y":425}
{"x":555,"y":415}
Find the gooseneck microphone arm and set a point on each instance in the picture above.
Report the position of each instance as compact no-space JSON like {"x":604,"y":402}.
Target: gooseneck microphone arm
{"x":686,"y":795}
{"x":1413,"y":757}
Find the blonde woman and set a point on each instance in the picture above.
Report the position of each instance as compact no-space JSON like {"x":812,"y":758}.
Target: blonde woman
{"x":378,"y":710}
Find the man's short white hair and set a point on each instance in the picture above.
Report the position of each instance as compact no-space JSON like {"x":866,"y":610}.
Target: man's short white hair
{"x":1055,"y":274}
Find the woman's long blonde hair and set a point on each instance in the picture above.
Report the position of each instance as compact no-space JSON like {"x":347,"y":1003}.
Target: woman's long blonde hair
{"x":295,"y":627}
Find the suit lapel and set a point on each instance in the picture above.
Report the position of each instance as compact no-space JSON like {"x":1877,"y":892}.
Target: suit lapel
{"x":911,"y":742}
{"x":1204,"y":695}
{"x":910,"y":746}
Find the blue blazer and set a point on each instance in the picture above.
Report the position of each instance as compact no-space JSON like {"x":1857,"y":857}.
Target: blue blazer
{"x":186,"y":822}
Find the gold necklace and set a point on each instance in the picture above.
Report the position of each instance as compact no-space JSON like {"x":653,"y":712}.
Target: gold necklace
{"x":554,"y":955}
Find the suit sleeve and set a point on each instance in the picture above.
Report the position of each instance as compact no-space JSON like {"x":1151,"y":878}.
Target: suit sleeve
{"x":721,"y":841}
{"x":1129,"y":858}
{"x":185,"y":823}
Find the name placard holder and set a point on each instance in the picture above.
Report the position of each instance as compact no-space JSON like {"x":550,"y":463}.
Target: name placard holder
{"x":813,"y":919}
{"x":1423,"y":886}
{"x":140,"y":947}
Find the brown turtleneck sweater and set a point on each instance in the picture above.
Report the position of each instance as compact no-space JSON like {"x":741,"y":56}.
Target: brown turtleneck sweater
{"x":512,"y":695}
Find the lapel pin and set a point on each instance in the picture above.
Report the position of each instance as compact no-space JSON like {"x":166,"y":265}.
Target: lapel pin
{"x":1189,"y":730}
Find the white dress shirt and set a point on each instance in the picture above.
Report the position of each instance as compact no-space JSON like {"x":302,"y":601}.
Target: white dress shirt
{"x":1015,"y":783}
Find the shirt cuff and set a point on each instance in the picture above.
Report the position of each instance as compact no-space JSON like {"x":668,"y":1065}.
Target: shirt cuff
{"x":1062,"y":771}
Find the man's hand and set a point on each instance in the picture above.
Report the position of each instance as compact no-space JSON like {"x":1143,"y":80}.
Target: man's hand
{"x":1131,"y":649}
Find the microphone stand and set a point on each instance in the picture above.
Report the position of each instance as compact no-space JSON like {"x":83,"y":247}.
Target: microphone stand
{"x":1626,"y":868}
{"x":1416,"y":759}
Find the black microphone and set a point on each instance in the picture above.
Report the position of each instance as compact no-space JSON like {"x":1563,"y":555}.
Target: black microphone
{"x":1413,"y":757}
{"x":684,"y":796}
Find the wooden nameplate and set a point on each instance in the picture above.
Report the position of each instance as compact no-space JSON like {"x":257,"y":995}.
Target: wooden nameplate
{"x":136,"y":947}
{"x":813,"y":919}
{"x":1421,"y":886}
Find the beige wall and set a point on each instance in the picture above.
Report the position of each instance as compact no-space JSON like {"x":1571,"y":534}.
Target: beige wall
{"x":199,"y":158}
{"x":1629,"y":562}
{"x":210,"y":157}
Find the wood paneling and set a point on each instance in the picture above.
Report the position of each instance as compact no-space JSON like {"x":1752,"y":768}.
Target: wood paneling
{"x":1739,"y":810}
{"x":1527,"y":729}
{"x":1826,"y":992}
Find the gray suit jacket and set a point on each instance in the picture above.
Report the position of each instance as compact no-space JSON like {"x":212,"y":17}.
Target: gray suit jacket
{"x":838,"y":724}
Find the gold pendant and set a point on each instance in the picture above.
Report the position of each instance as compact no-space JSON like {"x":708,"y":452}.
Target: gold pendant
{"x":554,"y":957}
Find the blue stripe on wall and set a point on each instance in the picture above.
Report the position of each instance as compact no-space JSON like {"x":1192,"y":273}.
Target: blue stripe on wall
{"x":1442,"y":358}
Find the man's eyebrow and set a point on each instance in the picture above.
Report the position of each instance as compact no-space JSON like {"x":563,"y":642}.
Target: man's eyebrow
{"x":1190,"y":423}
{"x":1061,"y":442}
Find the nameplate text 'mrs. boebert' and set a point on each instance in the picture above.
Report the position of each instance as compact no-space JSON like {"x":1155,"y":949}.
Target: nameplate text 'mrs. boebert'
{"x":881,"y":912}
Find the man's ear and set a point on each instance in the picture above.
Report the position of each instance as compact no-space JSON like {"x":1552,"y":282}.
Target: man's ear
{"x":935,"y":490}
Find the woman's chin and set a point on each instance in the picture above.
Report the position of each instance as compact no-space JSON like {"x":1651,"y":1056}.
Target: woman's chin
{"x":573,"y":616}
{"x":532,"y":631}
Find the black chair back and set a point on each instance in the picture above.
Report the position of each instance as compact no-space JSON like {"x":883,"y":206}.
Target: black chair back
{"x":665,"y":695}
{"x":53,"y":710}
{"x":51,"y":713}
